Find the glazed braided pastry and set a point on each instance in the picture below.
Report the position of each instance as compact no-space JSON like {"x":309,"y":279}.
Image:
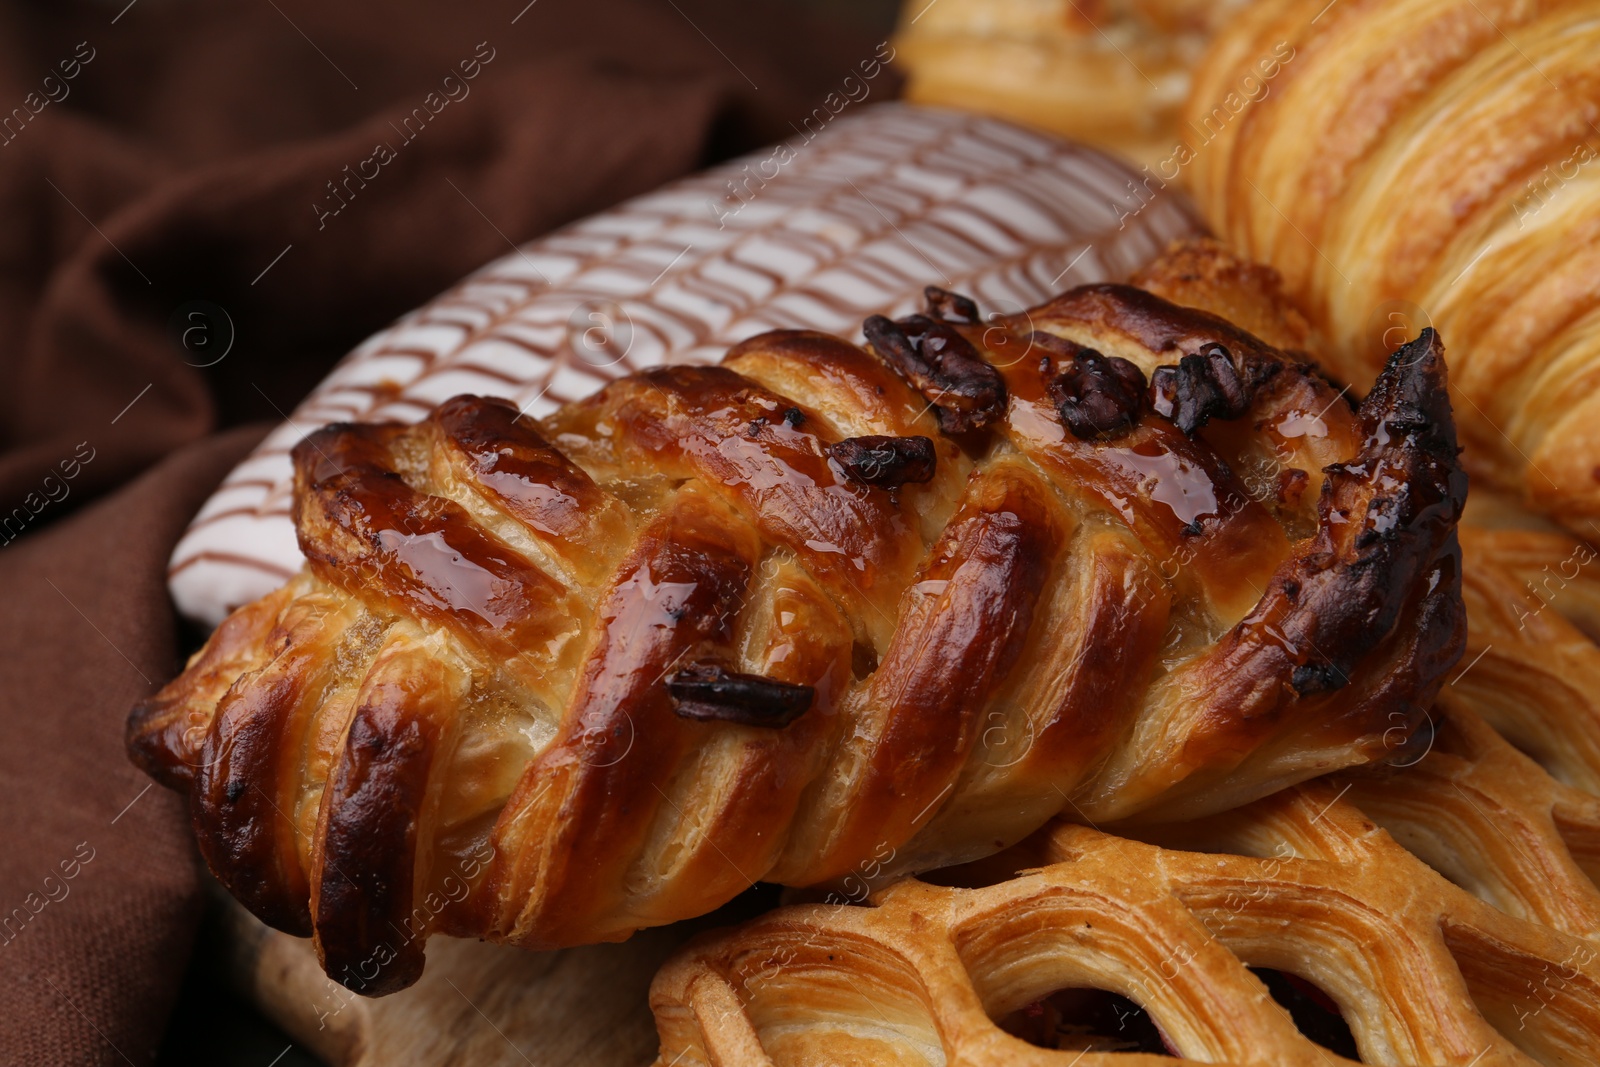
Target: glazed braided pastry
{"x":1429,"y":162}
{"x":815,"y":608}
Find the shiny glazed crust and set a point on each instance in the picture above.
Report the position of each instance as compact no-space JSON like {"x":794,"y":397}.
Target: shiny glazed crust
{"x":1431,"y":162}
{"x":550,"y":683}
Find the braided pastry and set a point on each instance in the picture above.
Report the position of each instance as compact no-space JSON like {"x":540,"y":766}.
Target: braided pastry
{"x":1430,"y":162}
{"x":550,"y":683}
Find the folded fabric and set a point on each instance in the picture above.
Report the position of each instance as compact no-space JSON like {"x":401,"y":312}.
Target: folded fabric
{"x":185,"y":164}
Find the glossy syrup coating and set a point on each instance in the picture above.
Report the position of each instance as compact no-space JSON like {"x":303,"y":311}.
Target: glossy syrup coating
{"x":550,"y":682}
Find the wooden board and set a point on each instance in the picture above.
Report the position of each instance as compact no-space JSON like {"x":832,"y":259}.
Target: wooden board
{"x":479,"y":1004}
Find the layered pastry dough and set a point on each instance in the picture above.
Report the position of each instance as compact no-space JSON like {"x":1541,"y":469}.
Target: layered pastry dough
{"x":552,"y":682}
{"x":1447,"y":905}
{"x":1432,"y":162}
{"x":1111,"y":72}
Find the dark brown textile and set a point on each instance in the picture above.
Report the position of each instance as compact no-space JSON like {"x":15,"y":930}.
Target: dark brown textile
{"x":169,"y":152}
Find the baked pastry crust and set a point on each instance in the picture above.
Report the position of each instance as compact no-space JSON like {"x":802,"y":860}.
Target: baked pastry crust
{"x":1432,"y":162}
{"x":552,"y":683}
{"x":1423,"y":972}
{"x":1447,"y":903}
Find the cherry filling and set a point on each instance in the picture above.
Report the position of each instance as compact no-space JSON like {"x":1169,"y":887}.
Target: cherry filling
{"x":1087,"y":1020}
{"x":1314,"y":1013}
{"x":1094,"y":1020}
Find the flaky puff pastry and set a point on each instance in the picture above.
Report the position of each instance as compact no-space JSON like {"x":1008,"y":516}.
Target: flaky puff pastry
{"x":1436,"y":162}
{"x":552,"y":682}
{"x":1304,"y":883}
{"x":1110,"y":72}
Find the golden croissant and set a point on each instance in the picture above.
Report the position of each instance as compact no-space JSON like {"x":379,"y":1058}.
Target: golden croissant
{"x":819,"y":612}
{"x":1428,"y":162}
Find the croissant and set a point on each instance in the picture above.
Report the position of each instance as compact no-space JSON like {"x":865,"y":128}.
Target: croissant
{"x":818,"y":613}
{"x":1428,"y":162}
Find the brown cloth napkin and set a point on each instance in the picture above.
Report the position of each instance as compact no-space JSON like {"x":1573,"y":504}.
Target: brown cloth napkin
{"x":163,"y":156}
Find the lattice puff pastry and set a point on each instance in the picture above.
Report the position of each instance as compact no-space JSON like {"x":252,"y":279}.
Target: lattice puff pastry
{"x":1423,"y":973}
{"x":1448,"y":908}
{"x":552,"y":683}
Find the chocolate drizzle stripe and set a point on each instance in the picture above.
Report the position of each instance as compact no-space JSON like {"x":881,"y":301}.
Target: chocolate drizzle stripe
{"x":235,"y":559}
